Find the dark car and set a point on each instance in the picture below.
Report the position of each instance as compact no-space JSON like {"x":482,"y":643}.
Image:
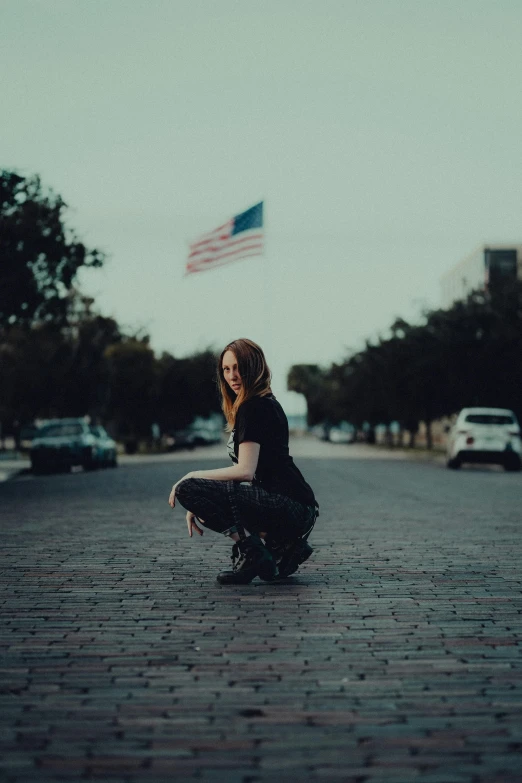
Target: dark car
{"x":180,"y":439}
{"x":205,"y":436}
{"x":62,"y":443}
{"x":27,"y":435}
{"x":198,"y":434}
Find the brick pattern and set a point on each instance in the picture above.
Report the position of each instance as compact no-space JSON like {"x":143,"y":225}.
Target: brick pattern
{"x":393,"y":656}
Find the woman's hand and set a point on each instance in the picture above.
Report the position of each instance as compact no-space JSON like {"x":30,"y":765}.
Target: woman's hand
{"x":192,"y":524}
{"x":172,"y":496}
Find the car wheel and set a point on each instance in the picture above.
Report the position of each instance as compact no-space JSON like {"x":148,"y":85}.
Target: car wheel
{"x":454,"y":464}
{"x":512,"y":464}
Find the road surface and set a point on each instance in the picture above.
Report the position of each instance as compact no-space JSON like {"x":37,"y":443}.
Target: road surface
{"x":394,"y":655}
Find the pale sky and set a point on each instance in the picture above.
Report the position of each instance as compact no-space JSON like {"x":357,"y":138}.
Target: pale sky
{"x":385,"y":137}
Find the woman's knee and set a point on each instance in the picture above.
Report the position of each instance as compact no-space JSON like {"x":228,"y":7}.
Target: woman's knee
{"x":186,"y":491}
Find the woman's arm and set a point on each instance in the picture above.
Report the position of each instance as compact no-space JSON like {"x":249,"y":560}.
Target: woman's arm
{"x":247,"y":459}
{"x":248,"y":456}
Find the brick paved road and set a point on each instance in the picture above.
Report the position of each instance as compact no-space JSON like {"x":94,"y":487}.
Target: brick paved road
{"x":394,"y":656}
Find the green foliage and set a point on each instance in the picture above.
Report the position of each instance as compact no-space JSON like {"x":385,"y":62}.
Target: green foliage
{"x":57,"y":358}
{"x":31,"y":363}
{"x":314,"y":383}
{"x":40,"y":256}
{"x":92,"y":368}
{"x":186,"y":386}
{"x":467,"y":355}
{"x":85,"y":380}
{"x":133,"y":387}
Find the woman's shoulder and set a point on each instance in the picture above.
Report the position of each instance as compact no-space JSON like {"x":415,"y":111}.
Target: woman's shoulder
{"x":258,"y":405}
{"x":262,"y":402}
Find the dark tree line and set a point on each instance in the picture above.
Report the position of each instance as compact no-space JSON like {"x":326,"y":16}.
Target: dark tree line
{"x":58,"y":357}
{"x":468,"y":355}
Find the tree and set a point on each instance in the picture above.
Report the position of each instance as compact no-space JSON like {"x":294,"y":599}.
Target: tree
{"x":31,"y":372}
{"x":50,"y":372}
{"x":467,"y":355}
{"x":362,"y":388}
{"x":85,"y":383}
{"x":187,"y":389}
{"x":133,"y":379}
{"x":314,"y":384}
{"x":40,"y":255}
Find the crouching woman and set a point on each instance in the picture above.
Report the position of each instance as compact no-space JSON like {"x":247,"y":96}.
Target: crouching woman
{"x":262,"y":501}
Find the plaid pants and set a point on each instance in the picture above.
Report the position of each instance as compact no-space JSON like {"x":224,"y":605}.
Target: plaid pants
{"x":226,"y":504}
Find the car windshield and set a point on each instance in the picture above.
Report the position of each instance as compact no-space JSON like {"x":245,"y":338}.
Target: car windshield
{"x":28,"y":432}
{"x":61,"y":430}
{"x":489,"y":418}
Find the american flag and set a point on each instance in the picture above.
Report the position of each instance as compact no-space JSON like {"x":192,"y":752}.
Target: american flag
{"x":239,"y":237}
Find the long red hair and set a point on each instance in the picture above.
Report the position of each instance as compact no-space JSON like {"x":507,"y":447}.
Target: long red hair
{"x":255,"y":377}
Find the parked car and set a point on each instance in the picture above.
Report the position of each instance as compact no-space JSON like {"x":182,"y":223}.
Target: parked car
{"x":320,"y":431}
{"x":205,"y":436}
{"x":180,"y":439}
{"x":345,"y":433}
{"x":106,"y":446}
{"x":202,"y":432}
{"x":27,"y":435}
{"x":487,"y":435}
{"x":62,"y":443}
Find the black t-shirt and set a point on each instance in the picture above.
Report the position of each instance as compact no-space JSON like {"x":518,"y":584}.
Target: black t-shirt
{"x":262,"y":420}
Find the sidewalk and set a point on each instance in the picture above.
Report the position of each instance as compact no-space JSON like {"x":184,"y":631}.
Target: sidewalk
{"x":301,"y":447}
{"x":9,"y":468}
{"x":13,"y":465}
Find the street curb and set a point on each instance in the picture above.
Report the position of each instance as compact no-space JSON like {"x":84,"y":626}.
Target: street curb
{"x":6,"y":475}
{"x":414,"y":455}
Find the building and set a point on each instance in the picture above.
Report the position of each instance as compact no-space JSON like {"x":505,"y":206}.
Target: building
{"x":484,"y":269}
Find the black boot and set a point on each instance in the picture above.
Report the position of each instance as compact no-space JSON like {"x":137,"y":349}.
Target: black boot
{"x":289,"y":554}
{"x":294,"y":556}
{"x":250,"y":558}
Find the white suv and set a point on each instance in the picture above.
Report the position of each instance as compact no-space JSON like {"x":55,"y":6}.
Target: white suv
{"x":485,"y":435}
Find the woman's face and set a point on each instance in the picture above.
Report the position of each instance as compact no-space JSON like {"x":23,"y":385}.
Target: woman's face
{"x":231,"y":371}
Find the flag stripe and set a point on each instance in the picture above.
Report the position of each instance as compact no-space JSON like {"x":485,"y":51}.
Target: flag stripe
{"x":199,"y":267}
{"x":206,"y":242}
{"x":209,"y":249}
{"x":225,"y":227}
{"x":223,"y":232}
{"x":257,"y":246}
